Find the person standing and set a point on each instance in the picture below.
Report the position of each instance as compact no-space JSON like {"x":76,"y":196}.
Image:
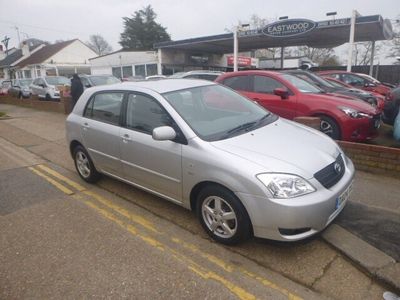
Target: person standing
{"x":76,"y":89}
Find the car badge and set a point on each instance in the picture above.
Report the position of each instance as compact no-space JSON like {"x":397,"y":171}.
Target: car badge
{"x":337,"y":167}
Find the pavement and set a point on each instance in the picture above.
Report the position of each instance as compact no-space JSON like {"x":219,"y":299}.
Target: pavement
{"x":363,"y":262}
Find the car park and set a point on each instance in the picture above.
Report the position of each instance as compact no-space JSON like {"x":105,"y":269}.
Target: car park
{"x":199,"y":74}
{"x":289,"y":97}
{"x":235,"y":166}
{"x":49,"y":87}
{"x":358,"y":80}
{"x":338,"y":90}
{"x":96,"y":80}
{"x":20,"y":88}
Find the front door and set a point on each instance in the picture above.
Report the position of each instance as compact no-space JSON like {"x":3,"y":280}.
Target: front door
{"x":156,"y":165}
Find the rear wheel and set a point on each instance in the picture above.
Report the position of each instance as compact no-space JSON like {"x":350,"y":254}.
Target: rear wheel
{"x":330,"y":127}
{"x":84,"y":165}
{"x":222,"y":215}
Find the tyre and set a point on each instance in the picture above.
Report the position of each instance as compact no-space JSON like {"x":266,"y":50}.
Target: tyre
{"x":330,"y":127}
{"x":222,"y":215}
{"x":84,"y":165}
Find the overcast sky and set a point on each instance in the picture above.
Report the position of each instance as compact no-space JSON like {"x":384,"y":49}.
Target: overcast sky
{"x":68,"y":19}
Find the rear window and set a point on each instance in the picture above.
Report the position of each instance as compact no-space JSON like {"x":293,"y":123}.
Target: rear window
{"x":105,"y":107}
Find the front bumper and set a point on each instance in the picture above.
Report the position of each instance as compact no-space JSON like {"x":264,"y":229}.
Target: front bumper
{"x":300,"y":217}
{"x":359,"y":130}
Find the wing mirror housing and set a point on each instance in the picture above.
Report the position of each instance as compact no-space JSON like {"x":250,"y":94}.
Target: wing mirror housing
{"x":369,"y":84}
{"x":281,"y":92}
{"x":164,"y":133}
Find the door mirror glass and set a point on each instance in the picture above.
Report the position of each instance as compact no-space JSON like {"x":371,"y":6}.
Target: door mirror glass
{"x":283,"y":93}
{"x":164,"y":133}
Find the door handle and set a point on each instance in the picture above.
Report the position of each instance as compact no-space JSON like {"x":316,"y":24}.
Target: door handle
{"x":126,"y":137}
{"x":86,"y":126}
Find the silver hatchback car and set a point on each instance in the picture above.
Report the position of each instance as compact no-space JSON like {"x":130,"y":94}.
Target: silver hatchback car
{"x":205,"y":147}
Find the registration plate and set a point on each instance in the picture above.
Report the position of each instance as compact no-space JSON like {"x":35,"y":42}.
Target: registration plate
{"x":343,"y":197}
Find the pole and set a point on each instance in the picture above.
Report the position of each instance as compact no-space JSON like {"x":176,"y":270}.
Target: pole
{"x":371,"y":66}
{"x":235,"y":50}
{"x":351,"y":41}
{"x":282,"y":56}
{"x":159,"y":64}
{"x":19,"y":39}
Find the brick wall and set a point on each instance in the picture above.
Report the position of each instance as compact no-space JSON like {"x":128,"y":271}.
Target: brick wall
{"x":62,"y":106}
{"x":375,"y":159}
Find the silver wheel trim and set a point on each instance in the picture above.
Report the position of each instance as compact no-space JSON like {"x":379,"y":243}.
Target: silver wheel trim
{"x":326,"y":127}
{"x":219,"y":217}
{"x":82,"y":163}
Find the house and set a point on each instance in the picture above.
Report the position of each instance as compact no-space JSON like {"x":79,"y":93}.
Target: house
{"x":125,"y":63}
{"x":14,"y":56}
{"x":64,"y":58}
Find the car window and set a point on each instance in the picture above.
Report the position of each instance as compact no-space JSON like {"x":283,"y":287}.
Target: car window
{"x":241,"y":83}
{"x":85,"y":81}
{"x":105,"y":107}
{"x":352,"y":79}
{"x":267,"y":85}
{"x":144,"y":114}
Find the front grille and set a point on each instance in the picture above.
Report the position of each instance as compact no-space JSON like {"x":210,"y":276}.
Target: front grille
{"x":331,"y":174}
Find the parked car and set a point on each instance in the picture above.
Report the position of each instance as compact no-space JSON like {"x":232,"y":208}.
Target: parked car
{"x":357,"y":80}
{"x":4,"y":87}
{"x":49,"y":87}
{"x":20,"y":88}
{"x":234,"y":165}
{"x":96,"y":80}
{"x":392,"y":106}
{"x":331,"y":88}
{"x":289,"y":97}
{"x":200,"y":74}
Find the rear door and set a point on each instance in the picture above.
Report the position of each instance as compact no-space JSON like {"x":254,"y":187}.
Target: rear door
{"x":155,"y":165}
{"x":101,"y":130}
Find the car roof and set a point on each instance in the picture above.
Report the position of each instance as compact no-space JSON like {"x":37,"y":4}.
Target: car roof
{"x":159,"y":86}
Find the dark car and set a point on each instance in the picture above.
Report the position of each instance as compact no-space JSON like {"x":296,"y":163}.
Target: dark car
{"x":289,"y":96}
{"x":20,"y":88}
{"x":392,"y":106}
{"x":361,"y":81}
{"x":96,"y":80}
{"x":328,"y":87}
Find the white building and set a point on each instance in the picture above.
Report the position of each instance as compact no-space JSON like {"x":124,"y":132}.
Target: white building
{"x":126,"y":63}
{"x":64,"y":58}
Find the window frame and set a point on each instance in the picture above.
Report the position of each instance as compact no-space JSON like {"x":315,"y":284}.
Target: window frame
{"x":91,"y":100}
{"x":180,"y":137}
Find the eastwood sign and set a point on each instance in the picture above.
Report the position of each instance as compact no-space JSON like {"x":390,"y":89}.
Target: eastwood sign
{"x":289,"y":28}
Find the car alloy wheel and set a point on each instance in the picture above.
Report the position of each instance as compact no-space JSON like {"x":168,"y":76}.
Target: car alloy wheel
{"x":330,"y":127}
{"x":84,"y":165}
{"x":219,"y":217}
{"x":222,"y":215}
{"x":326,"y":127}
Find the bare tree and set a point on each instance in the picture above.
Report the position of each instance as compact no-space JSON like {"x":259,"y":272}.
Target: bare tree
{"x":322,"y":56}
{"x":98,"y":44}
{"x":394,"y":44}
{"x":362,"y":53}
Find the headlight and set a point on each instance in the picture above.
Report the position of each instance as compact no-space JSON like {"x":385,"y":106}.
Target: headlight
{"x":283,"y":186}
{"x":353,"y":113}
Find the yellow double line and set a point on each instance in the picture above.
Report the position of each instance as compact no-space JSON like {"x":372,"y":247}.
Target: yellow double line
{"x":51,"y":175}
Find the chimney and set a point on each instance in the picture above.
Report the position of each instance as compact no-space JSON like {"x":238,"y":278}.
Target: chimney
{"x":25,"y":49}
{"x":2,"y":53}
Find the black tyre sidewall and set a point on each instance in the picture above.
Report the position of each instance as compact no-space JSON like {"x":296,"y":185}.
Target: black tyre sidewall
{"x":336,"y":134}
{"x":243,"y":231}
{"x":94,"y":174}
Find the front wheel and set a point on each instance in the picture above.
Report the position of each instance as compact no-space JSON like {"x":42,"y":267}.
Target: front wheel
{"x":330,"y":127}
{"x":85,"y":166}
{"x":222,"y":215}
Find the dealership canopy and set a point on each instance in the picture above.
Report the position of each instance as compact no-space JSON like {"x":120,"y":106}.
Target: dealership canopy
{"x":290,"y":32}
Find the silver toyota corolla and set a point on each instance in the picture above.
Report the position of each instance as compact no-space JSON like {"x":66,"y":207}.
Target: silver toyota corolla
{"x":203,"y":146}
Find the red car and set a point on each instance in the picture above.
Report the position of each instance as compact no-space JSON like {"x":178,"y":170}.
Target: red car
{"x":289,"y":97}
{"x":357,"y":80}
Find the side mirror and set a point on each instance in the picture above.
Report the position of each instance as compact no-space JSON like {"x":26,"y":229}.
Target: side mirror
{"x":88,"y":85}
{"x":283,"y":93}
{"x":164,"y":133}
